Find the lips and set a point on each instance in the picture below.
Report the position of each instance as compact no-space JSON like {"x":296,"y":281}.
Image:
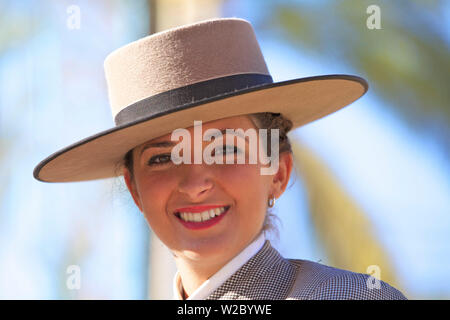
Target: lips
{"x":201,"y":217}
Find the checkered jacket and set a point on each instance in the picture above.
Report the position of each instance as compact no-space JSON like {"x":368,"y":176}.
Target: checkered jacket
{"x":269,"y":276}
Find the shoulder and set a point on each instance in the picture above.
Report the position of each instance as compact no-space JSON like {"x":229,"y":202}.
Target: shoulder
{"x":316,"y":281}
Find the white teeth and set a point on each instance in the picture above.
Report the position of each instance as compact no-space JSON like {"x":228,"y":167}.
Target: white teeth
{"x":201,"y":216}
{"x":205,"y":215}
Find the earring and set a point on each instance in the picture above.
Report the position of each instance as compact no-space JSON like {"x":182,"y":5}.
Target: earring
{"x":271,"y":202}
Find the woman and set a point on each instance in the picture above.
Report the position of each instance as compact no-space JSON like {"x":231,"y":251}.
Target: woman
{"x":201,"y":140}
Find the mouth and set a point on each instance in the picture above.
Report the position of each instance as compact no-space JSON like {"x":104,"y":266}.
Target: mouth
{"x":194,"y":218}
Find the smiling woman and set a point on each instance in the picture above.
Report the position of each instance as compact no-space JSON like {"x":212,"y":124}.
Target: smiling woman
{"x":212,"y":215}
{"x":205,"y":214}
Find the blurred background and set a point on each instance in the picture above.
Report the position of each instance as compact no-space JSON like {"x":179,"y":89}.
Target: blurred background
{"x":371,"y":191}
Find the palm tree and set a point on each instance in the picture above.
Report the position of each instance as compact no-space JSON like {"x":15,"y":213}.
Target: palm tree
{"x":406,"y":60}
{"x":407,"y":64}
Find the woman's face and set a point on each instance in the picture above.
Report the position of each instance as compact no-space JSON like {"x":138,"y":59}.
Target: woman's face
{"x":171,"y":196}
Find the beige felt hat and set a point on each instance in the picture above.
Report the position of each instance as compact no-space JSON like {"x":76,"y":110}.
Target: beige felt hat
{"x":205,"y":71}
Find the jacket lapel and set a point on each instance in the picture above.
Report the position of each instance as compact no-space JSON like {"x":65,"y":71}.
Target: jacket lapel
{"x":267,"y":275}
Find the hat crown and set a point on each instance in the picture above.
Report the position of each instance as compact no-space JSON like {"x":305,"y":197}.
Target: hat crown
{"x":180,"y":57}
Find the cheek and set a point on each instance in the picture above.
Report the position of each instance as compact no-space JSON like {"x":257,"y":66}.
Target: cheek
{"x":154,"y":191}
{"x":247,"y":186}
{"x":244,"y":177}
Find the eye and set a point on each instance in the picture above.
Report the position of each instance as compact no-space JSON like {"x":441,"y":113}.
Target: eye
{"x":227,"y":150}
{"x":159,"y":159}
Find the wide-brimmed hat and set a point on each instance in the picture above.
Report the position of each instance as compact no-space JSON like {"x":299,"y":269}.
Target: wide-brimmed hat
{"x":204,"y":71}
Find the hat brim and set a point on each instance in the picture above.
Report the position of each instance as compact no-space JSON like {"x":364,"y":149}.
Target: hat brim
{"x":300,"y":100}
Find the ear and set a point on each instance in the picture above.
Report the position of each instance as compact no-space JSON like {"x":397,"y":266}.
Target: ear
{"x":131,"y":185}
{"x":281,"y":178}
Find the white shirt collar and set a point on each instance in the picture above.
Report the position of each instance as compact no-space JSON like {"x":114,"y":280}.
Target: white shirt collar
{"x":220,"y":276}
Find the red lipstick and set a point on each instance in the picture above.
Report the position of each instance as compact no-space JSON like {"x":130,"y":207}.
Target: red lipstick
{"x":196,"y":209}
{"x":197,"y":225}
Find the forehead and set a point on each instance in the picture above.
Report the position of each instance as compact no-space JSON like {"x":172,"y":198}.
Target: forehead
{"x":237,"y":122}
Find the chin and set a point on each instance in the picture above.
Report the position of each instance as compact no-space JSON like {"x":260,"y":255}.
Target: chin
{"x":218,"y":247}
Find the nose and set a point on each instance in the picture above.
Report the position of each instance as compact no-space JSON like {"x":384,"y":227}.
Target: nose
{"x":196,"y":182}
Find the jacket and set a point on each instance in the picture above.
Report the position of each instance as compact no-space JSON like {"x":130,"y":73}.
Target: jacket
{"x":269,"y":276}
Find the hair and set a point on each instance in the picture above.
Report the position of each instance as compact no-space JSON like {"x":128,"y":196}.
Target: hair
{"x":265,"y":120}
{"x":268,"y":120}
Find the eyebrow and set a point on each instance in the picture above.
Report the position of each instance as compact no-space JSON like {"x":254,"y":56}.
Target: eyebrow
{"x":163,"y":144}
